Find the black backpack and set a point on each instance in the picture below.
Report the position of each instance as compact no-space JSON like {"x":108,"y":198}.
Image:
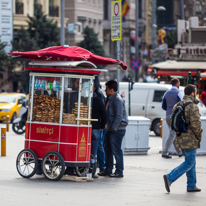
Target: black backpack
{"x":178,"y":123}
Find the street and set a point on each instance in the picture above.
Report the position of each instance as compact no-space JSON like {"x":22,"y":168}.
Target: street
{"x":142,"y":183}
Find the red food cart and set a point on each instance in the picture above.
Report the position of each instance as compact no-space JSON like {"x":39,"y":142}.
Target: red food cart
{"x":58,"y":128}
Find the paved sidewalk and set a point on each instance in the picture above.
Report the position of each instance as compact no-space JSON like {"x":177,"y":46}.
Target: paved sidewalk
{"x":142,"y":183}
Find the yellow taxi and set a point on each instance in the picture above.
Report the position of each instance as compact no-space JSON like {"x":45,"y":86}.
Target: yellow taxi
{"x":10,"y":104}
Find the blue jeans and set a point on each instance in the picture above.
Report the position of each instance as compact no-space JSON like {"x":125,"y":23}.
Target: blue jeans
{"x":95,"y":142}
{"x":187,"y":166}
{"x":113,"y":143}
{"x":100,"y":151}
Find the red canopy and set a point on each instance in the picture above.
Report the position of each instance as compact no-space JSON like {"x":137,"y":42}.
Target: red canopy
{"x":66,"y":53}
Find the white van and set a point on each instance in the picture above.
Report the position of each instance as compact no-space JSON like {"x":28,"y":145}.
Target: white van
{"x":146,"y":100}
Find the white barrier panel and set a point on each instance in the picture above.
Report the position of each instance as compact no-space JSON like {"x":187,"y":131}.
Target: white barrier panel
{"x":136,"y":140}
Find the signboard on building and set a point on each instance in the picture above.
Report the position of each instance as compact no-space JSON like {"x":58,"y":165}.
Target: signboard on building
{"x":6,"y":23}
{"x":116,"y":20}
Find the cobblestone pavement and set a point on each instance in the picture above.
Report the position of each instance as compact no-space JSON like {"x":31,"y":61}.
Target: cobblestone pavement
{"x":142,"y":183}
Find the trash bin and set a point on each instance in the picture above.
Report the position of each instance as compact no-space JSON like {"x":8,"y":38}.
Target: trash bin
{"x":200,"y":151}
{"x":136,"y":140}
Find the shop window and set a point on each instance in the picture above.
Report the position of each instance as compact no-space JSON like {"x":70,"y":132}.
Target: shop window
{"x":19,"y":7}
{"x":53,"y":9}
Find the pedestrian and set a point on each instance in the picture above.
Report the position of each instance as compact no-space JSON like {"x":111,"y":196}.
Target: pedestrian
{"x":100,"y":150}
{"x":189,"y":142}
{"x":117,"y":121}
{"x":98,"y":112}
{"x":170,"y":98}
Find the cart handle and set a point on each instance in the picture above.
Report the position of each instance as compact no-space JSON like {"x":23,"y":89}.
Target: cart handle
{"x":85,"y":119}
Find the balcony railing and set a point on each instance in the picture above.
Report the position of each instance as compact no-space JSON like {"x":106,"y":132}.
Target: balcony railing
{"x":37,"y":7}
{"x":19,"y":8}
{"x":53,"y":11}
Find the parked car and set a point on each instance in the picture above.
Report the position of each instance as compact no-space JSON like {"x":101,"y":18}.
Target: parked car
{"x":10,"y":104}
{"x":146,"y":100}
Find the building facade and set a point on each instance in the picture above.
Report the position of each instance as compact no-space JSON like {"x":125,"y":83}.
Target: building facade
{"x":82,"y":13}
{"x":173,"y":11}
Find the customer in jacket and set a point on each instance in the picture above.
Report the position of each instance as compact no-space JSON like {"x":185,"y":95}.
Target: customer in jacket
{"x":189,"y":142}
{"x":98,"y":112}
{"x":117,"y":121}
{"x":170,"y":98}
{"x":100,"y":150}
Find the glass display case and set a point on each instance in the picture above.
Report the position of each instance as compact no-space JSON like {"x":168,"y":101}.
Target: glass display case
{"x":62,"y":100}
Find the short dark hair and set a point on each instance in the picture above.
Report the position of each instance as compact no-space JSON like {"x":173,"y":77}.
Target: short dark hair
{"x":112,"y":84}
{"x":174,"y":81}
{"x":189,"y":89}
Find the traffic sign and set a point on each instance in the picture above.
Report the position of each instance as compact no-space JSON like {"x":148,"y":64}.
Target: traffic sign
{"x":116,"y":20}
{"x":135,"y":64}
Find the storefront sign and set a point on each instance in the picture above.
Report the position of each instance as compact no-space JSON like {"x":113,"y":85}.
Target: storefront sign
{"x":6,"y":23}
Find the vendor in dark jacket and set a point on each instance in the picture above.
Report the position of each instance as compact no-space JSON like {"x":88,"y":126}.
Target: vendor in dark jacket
{"x":98,"y":112}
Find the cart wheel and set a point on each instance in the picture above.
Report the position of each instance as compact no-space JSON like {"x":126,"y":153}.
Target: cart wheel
{"x":27,"y":163}
{"x":83,"y":171}
{"x":53,"y":166}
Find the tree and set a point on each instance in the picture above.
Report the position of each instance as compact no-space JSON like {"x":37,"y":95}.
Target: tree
{"x":171,"y":38}
{"x":41,"y":33}
{"x":44,"y":31}
{"x":91,"y":42}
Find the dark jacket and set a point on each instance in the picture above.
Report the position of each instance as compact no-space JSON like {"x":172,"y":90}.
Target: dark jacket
{"x":192,"y":138}
{"x":98,"y":112}
{"x":100,"y":95}
{"x":116,"y":113}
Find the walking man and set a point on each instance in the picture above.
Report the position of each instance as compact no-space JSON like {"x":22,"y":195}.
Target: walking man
{"x":170,"y":98}
{"x":189,"y":142}
{"x":117,"y":121}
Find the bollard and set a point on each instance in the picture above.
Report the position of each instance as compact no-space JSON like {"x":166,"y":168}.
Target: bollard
{"x":7,"y":123}
{"x":3,"y":141}
{"x":161,"y":127}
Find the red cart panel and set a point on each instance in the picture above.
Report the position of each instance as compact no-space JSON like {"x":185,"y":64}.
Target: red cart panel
{"x":68,"y":134}
{"x":68,"y":152}
{"x":41,"y":148}
{"x":45,"y":132}
{"x":83,"y":141}
{"x":27,"y":131}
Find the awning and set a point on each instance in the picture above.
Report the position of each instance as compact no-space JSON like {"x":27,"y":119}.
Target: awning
{"x":175,"y":73}
{"x":179,"y":65}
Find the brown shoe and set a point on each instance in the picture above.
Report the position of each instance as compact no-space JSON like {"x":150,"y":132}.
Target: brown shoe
{"x":167,"y":183}
{"x":194,"y":190}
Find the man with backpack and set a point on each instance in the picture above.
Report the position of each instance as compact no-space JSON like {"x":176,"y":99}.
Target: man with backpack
{"x":170,"y":98}
{"x":188,"y":138}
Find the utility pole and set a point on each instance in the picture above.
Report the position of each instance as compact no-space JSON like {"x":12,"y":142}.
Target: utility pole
{"x":62,"y":24}
{"x":136,"y":38}
{"x":154,"y":25}
{"x":182,"y":10}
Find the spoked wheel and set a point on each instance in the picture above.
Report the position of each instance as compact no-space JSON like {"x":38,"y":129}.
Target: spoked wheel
{"x":53,"y":166}
{"x":26,"y":163}
{"x":19,"y":128}
{"x":83,"y":171}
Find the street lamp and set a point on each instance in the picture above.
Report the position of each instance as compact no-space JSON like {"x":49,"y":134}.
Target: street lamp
{"x":161,"y":8}
{"x":154,"y":25}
